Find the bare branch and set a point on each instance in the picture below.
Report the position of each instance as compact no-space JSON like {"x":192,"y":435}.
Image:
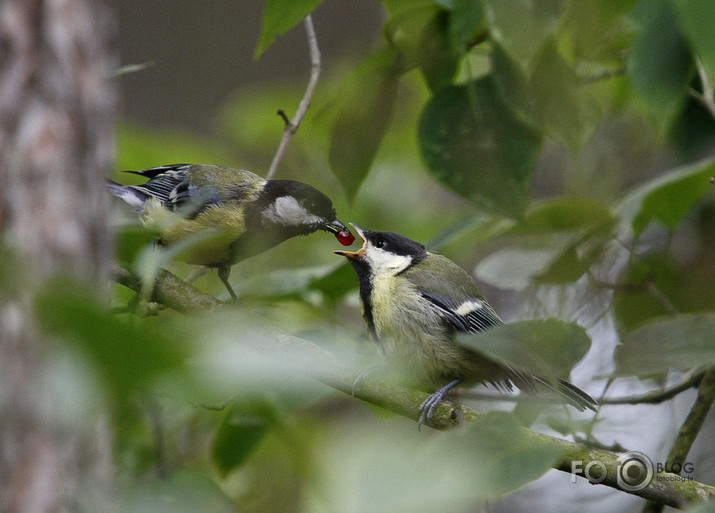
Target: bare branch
{"x":293,"y":125}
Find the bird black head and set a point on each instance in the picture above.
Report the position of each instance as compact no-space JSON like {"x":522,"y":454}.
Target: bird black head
{"x":299,"y":208}
{"x":384,"y":253}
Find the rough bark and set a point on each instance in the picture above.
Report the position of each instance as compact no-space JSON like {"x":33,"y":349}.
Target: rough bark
{"x":57,"y":101}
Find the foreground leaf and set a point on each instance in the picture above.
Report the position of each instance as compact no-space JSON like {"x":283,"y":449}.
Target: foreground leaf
{"x":679,"y":342}
{"x":401,"y":470}
{"x":543,"y":347}
{"x":668,"y":198}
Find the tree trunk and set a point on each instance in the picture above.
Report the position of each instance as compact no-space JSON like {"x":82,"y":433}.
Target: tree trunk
{"x":57,"y":102}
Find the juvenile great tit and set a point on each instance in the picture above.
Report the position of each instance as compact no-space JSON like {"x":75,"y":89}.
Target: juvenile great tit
{"x":232,"y":214}
{"x":414,"y":302}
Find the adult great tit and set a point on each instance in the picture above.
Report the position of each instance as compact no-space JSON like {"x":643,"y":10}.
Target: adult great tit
{"x":231,"y":214}
{"x":414,"y":302}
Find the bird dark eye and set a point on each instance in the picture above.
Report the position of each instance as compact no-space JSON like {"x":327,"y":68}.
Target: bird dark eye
{"x":380,"y":243}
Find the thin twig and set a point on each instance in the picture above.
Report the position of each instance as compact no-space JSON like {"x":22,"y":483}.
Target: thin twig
{"x":707,"y":97}
{"x":293,"y":125}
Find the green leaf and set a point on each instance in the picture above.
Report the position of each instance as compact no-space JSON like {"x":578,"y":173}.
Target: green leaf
{"x":363,"y":118}
{"x":669,"y":197}
{"x":129,"y":355}
{"x":420,"y":36}
{"x":279,"y":16}
{"x":473,"y":144}
{"x":560,"y":106}
{"x":577,"y":258}
{"x":565,"y":213}
{"x":659,"y":65}
{"x":655,"y":284}
{"x":131,"y":241}
{"x":507,"y":457}
{"x":439,"y":58}
{"x":401,"y":470}
{"x":542,"y":347}
{"x":239,"y":434}
{"x":181,"y":492}
{"x":466,"y":22}
{"x":695,"y":20}
{"x":522,"y":27}
{"x":679,"y":342}
{"x":284,"y":282}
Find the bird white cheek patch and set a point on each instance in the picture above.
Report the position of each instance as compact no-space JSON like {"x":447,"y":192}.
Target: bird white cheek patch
{"x":287,"y":210}
{"x":384,"y":262}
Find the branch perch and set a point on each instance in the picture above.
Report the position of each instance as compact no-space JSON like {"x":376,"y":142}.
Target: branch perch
{"x":328,"y":369}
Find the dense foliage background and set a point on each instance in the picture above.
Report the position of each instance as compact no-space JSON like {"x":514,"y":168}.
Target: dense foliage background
{"x":561,"y":151}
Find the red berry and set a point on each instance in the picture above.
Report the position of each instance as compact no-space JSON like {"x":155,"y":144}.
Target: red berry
{"x":345,"y":237}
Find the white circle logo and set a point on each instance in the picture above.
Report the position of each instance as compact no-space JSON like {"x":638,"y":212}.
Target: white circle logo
{"x":634,"y":471}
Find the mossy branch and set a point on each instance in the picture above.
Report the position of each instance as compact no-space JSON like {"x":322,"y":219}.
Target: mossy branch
{"x":665,"y":488}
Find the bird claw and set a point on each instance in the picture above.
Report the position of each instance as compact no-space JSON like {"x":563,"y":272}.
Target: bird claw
{"x":428,"y":405}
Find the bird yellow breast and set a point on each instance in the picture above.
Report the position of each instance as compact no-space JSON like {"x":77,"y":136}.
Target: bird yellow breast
{"x":207,"y":237}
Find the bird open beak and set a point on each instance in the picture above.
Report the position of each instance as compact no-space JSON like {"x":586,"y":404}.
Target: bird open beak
{"x":360,"y":253}
{"x":341,"y":232}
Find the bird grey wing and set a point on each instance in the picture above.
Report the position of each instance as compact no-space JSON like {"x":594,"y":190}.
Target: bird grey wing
{"x":163,"y":180}
{"x":169,"y":184}
{"x":468,"y":314}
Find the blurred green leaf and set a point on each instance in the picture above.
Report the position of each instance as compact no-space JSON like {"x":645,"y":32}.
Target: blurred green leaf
{"x":466,"y":22}
{"x":659,"y":65}
{"x":565,"y":213}
{"x":279,"y":16}
{"x":363,"y":118}
{"x":695,"y":20}
{"x":598,"y":31}
{"x":238,"y":435}
{"x":402,"y":470}
{"x":576,"y":259}
{"x":473,"y":144}
{"x":334,"y":286}
{"x":129,"y":355}
{"x":131,"y":241}
{"x":182,"y":492}
{"x":668,"y":198}
{"x":679,"y":342}
{"x":542,"y":347}
{"x":560,"y":106}
{"x":655,"y":284}
{"x":522,"y":27}
{"x":439,"y":62}
{"x":507,"y":457}
{"x":284,"y":282}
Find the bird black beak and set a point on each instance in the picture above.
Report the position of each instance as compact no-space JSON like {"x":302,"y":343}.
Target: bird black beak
{"x":334,"y":226}
{"x":360,"y":253}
